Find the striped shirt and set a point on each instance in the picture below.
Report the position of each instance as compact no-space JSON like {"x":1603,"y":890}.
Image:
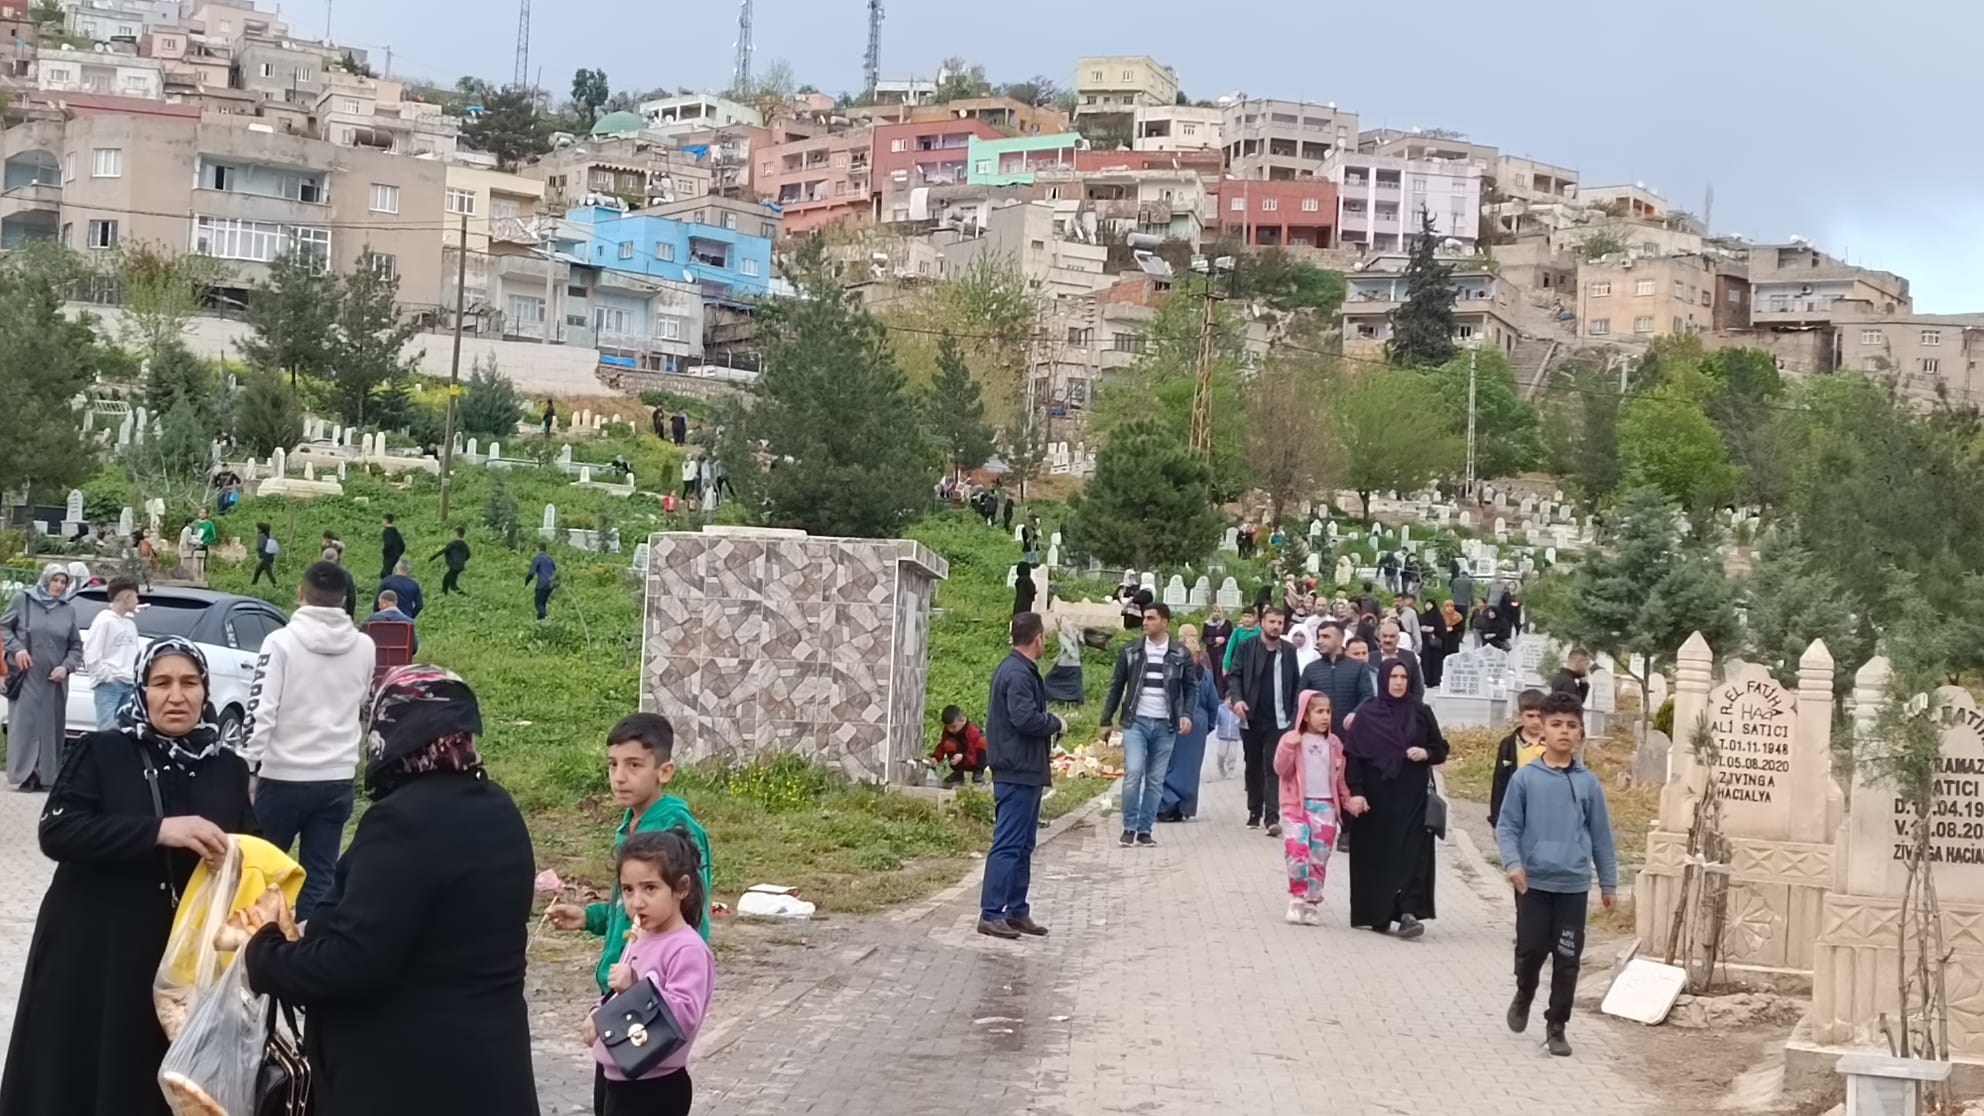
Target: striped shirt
{"x":1150,"y":695}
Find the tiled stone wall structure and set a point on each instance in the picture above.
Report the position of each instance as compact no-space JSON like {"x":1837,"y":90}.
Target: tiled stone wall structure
{"x":759,"y":641}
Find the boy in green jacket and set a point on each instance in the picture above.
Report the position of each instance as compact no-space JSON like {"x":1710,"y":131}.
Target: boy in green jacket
{"x":639,"y":766}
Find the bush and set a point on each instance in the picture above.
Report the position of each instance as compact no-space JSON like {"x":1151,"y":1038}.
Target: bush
{"x":490,"y":406}
{"x":1663,"y":719}
{"x":426,"y":424}
{"x":106,"y":495}
{"x":499,"y":511}
{"x":267,"y":414}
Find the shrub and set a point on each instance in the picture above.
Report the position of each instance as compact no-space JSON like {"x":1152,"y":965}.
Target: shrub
{"x":1663,"y":720}
{"x":780,"y":784}
{"x":490,"y":406}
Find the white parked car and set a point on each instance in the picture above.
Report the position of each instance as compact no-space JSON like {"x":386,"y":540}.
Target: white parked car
{"x":229,"y":629}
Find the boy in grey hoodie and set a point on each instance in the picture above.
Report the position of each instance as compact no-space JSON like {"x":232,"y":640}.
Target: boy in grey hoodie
{"x":1553,"y":831}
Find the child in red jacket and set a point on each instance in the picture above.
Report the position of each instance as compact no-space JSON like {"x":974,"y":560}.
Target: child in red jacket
{"x":961,"y":751}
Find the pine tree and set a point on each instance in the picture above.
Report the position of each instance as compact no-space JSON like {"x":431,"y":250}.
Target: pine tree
{"x":368,"y":349}
{"x":291,"y":316}
{"x":175,"y":375}
{"x":267,"y":414}
{"x":954,"y":412}
{"x":47,"y":361}
{"x":1423,"y":326}
{"x":1150,"y":502}
{"x":490,"y":405}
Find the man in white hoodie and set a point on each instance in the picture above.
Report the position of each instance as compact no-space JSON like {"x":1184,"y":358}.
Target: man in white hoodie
{"x":303,"y":735}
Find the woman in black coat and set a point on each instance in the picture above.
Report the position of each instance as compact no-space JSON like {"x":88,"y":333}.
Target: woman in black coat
{"x":87,"y":1040}
{"x":411,"y":975}
{"x":1024,"y":590}
{"x":1390,"y":747}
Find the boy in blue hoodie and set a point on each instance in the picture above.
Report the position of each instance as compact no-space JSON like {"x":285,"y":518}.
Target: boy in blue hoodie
{"x":1553,"y":832}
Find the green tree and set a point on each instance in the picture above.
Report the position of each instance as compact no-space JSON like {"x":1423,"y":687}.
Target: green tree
{"x":174,"y":376}
{"x":1383,"y":442}
{"x":1023,"y":446}
{"x":499,"y":510}
{"x":955,"y":413}
{"x":1149,"y":503}
{"x":48,"y":360}
{"x":508,"y":127}
{"x":370,"y":369}
{"x":1746,"y":390}
{"x":589,"y":93}
{"x":1423,"y":325}
{"x":1792,"y":600}
{"x":1038,"y":90}
{"x":1286,"y":435}
{"x":490,"y":406}
{"x":162,"y":290}
{"x":1508,"y":431}
{"x":174,"y":465}
{"x":1666,"y":441}
{"x":989,"y":301}
{"x":1290,"y":285}
{"x":290,"y":317}
{"x":267,"y":415}
{"x":959,"y":80}
{"x":1163,"y":384}
{"x":835,"y":413}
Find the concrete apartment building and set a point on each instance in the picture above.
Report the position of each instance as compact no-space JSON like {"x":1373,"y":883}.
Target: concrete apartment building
{"x":818,"y":182}
{"x":101,"y":71}
{"x":1932,"y":357}
{"x":1116,"y":83}
{"x":693,"y":112}
{"x":282,"y":70}
{"x":1286,"y":214}
{"x":1173,"y":204}
{"x":1042,"y":238}
{"x":639,"y":167}
{"x":1006,"y":116}
{"x":1638,"y":298}
{"x":358,"y":111}
{"x":241,"y":195}
{"x":190,"y":65}
{"x":1176,"y":128}
{"x":126,"y":21}
{"x":1412,"y":143}
{"x":1380,"y":198}
{"x":1635,"y":201}
{"x":1532,"y":181}
{"x":1283,"y":139}
{"x":1796,"y":286}
{"x":1484,"y":307}
{"x":917,"y":154}
{"x":499,"y":207}
{"x":230,"y":20}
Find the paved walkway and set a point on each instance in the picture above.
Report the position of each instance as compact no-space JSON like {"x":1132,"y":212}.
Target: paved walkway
{"x":1170,"y":985}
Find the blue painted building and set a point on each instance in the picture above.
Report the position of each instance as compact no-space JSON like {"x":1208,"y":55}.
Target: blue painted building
{"x":727,"y":264}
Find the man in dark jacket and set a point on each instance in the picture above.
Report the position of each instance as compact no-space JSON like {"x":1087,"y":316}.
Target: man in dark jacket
{"x":1574,"y":676}
{"x":1347,"y":681}
{"x":403,"y":586}
{"x":456,"y":554}
{"x":1019,"y":733}
{"x":1156,"y":685}
{"x":1389,"y":648}
{"x":1262,"y":687}
{"x":391,"y":546}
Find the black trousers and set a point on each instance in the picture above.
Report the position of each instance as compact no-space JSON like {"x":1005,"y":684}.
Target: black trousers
{"x":266,"y":566}
{"x":1550,"y":924}
{"x":654,"y":1096}
{"x":451,"y":582}
{"x":1258,"y":739}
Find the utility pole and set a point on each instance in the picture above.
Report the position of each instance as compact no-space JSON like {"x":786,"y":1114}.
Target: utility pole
{"x":871,"y":63}
{"x":740,"y":78}
{"x":1201,"y":439}
{"x":1473,"y":354}
{"x":454,"y":368}
{"x":521,"y":77}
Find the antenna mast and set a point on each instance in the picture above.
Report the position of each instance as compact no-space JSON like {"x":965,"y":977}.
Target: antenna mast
{"x":522,"y":77}
{"x":871,"y":65}
{"x":741,"y":77}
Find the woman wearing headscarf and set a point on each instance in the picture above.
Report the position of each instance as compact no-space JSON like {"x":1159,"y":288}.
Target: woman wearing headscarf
{"x":1390,"y":747}
{"x":1024,"y":590}
{"x":412,"y":973}
{"x":131,"y":814}
{"x":43,"y":643}
{"x":1456,"y":633}
{"x":1218,"y":633}
{"x":1433,"y":643}
{"x":1188,"y":755}
{"x":1306,"y":651}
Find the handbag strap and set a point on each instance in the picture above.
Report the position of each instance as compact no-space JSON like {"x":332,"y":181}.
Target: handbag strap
{"x":158,"y":811}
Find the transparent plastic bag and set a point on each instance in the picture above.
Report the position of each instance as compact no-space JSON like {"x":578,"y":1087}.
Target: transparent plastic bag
{"x":211,"y":1068}
{"x":191,"y":964}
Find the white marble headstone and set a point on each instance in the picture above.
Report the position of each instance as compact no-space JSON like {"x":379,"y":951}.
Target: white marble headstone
{"x":1229,"y":594}
{"x":550,"y":517}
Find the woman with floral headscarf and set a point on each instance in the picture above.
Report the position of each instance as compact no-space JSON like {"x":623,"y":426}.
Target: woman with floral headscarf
{"x":411,"y":973}
{"x":133,"y":811}
{"x":45,"y":645}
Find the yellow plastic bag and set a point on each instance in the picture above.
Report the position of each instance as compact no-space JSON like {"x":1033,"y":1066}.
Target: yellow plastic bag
{"x":191,"y":964}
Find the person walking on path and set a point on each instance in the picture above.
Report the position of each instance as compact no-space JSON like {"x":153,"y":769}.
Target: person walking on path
{"x":391,"y":547}
{"x":1019,"y":734}
{"x":44,"y":647}
{"x":545,"y":571}
{"x":456,"y":555}
{"x":1262,"y":686}
{"x":658,"y":418}
{"x":266,"y":549}
{"x":1554,"y":832}
{"x":303,"y":733}
{"x":125,"y":824}
{"x":1188,"y":756}
{"x":1574,"y":677}
{"x":1156,"y":686}
{"x":679,"y":426}
{"x":403,"y":587}
{"x":1433,"y":643}
{"x":1391,"y":746}
{"x":110,"y":652}
{"x":1517,"y":750}
{"x":1217,"y":634}
{"x":1347,"y":681}
{"x":1314,"y":800}
{"x":1250,"y":628}
{"x":550,"y":416}
{"x":335,"y":556}
{"x":1391,"y":648}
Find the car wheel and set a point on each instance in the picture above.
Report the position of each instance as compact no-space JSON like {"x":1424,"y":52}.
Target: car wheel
{"x":233,"y":730}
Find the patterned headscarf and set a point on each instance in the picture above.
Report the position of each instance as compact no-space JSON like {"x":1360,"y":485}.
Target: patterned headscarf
{"x":134,"y":717}
{"x":422,"y":719}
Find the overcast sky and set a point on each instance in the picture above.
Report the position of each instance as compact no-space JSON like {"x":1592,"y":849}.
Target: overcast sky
{"x":1852,"y":124}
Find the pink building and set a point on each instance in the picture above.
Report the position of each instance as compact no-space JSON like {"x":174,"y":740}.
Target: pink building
{"x":913,"y":155}
{"x":818,"y":182}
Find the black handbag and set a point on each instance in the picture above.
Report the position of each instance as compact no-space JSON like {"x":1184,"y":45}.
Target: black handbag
{"x":638,"y":1029}
{"x":18,"y":678}
{"x":1436,"y":809}
{"x":282,"y":1086}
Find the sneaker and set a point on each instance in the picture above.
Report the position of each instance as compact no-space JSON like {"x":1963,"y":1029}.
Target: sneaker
{"x":1518,"y":1016}
{"x":1554,"y":1042}
{"x":1253,"y":822}
{"x":1294,"y":915}
{"x":1410,"y":927}
{"x":1274,"y":829}
{"x":1127,"y":839}
{"x":1145,"y":840}
{"x":1311,"y":915}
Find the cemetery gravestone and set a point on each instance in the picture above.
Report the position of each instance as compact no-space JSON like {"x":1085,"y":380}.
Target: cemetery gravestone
{"x":1175,"y":595}
{"x":1229,"y":594}
{"x":1201,"y":592}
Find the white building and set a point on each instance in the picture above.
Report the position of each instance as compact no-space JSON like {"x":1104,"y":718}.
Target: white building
{"x":694,"y":111}
{"x":1380,"y":197}
{"x":100,"y":71}
{"x":1175,"y":128}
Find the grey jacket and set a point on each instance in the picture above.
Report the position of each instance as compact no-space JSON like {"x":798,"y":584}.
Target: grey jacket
{"x":1555,"y":827}
{"x":1181,"y":683}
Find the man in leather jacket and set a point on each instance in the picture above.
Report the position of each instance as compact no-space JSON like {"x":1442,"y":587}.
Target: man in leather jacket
{"x":1155,"y":685}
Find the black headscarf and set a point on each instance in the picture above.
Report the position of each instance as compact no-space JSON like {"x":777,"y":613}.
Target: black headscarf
{"x":1385,"y":725}
{"x":134,"y":717}
{"x":422,"y":719}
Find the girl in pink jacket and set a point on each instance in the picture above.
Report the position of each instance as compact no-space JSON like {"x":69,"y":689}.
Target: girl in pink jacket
{"x":1314,"y":797}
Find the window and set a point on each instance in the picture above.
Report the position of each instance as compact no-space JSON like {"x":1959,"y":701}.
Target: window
{"x":1599,"y":327}
{"x":385,"y":199}
{"x":268,"y":69}
{"x":1932,"y":337}
{"x":1932,"y":365}
{"x":1735,"y":296}
{"x":667,"y":328}
{"x":1599,"y":290}
{"x":220,"y":177}
{"x":1310,"y":205}
{"x":1269,"y":205}
{"x":1095,"y":75}
{"x":230,"y":238}
{"x":612,"y":319}
{"x":137,"y":83}
{"x":748,"y":267}
{"x":730,"y":220}
{"x":305,"y":75}
{"x":102,"y":234}
{"x":1645,"y":287}
{"x":1127,"y":343}
{"x":1677,"y":325}
{"x":1188,"y":128}
{"x":1707,"y":299}
{"x":461,"y":201}
{"x":1419,"y":183}
{"x":525,"y":310}
{"x":1643,"y":324}
{"x":302,"y":188}
{"x":769,"y":230}
{"x":1239,"y":205}
{"x":899,"y":145}
{"x":1680,"y":290}
{"x":1129,"y":75}
{"x":626,"y":249}
{"x":664,"y":252}
{"x":107,"y":162}
{"x":386,"y":265}
{"x":1872,"y":337}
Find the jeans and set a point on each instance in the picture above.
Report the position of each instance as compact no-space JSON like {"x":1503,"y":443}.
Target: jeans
{"x":312,"y":815}
{"x":1550,"y":924}
{"x":109,"y":697}
{"x":1147,"y":744}
{"x":543,"y":598}
{"x":1009,"y":864}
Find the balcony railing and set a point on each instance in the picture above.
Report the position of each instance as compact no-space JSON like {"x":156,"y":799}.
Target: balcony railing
{"x":31,"y":196}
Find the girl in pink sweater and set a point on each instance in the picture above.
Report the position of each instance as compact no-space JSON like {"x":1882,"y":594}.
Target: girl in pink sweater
{"x":1314,"y":798}
{"x":661,"y":887}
